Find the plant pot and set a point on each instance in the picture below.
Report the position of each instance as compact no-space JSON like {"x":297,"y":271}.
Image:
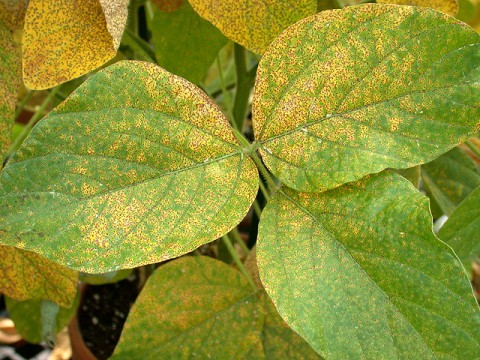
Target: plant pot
{"x":80,"y":350}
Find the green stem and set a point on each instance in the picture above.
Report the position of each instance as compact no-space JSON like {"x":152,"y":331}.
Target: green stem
{"x":257,"y":208}
{"x":244,"y":85}
{"x":24,"y":102}
{"x":33,"y":120}
{"x":238,"y":262}
{"x":140,"y":46}
{"x":473,"y":147}
{"x":265,"y":173}
{"x":226,"y":94}
{"x":133,"y":20}
{"x":238,"y":239}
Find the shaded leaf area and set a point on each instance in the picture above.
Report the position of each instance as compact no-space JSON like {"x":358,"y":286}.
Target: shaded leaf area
{"x":206,"y":310}
{"x":168,"y":5}
{"x":412,"y":174}
{"x":372,"y":87}
{"x":449,"y":7}
{"x":105,"y":278}
{"x":462,"y":229}
{"x":450,"y":178}
{"x":184,"y":43}
{"x":192,"y":307}
{"x":467,"y":10}
{"x":136,"y":166}
{"x":11,"y":17}
{"x":25,"y":275}
{"x":253,"y":23}
{"x":65,"y":39}
{"x":343,"y":269}
{"x":29,"y":322}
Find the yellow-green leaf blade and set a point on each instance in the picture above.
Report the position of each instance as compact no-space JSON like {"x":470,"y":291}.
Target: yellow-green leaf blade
{"x":449,"y":7}
{"x":137,"y":166}
{"x":253,"y":23}
{"x":64,"y":39}
{"x":358,"y":272}
{"x":192,"y":307}
{"x":462,"y":229}
{"x":25,"y":275}
{"x":371,"y":87}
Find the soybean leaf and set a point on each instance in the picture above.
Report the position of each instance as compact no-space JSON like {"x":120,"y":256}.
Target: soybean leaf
{"x":27,"y":316}
{"x":136,"y":166}
{"x":462,"y":229}
{"x":343,"y":268}
{"x":65,"y":39}
{"x":192,"y":307}
{"x":449,"y":7}
{"x":25,"y":275}
{"x":450,"y":178}
{"x":184,"y":43}
{"x":253,"y":23}
{"x":411,"y":174}
{"x":11,"y":19}
{"x":371,"y":87}
{"x":105,"y":278}
{"x":168,"y":5}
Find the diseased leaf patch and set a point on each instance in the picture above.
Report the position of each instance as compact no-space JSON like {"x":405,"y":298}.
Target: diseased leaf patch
{"x":343,"y":268}
{"x":368,"y":89}
{"x":449,"y":7}
{"x":136,"y":167}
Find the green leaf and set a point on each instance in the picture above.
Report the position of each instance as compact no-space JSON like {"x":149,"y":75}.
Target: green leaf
{"x":371,"y":87}
{"x":411,"y":174}
{"x":27,"y":316}
{"x":359,"y":274}
{"x":450,"y":178}
{"x":135,"y":167}
{"x":462,"y":229}
{"x":65,"y":39}
{"x":105,"y":278}
{"x":253,"y":23}
{"x":449,"y":7}
{"x":25,"y":275}
{"x":184,"y":43}
{"x":193,"y":307}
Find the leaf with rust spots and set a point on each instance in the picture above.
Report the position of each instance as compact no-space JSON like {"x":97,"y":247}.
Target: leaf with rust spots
{"x":27,"y":316}
{"x":184,"y":43}
{"x":64,"y":39}
{"x":371,"y":87}
{"x":449,"y":7}
{"x":11,"y":18}
{"x":168,"y":5}
{"x":462,"y":229}
{"x":253,"y":23}
{"x":25,"y":275}
{"x":137,"y":166}
{"x":192,"y":307}
{"x":343,"y":268}
{"x":450,"y":178}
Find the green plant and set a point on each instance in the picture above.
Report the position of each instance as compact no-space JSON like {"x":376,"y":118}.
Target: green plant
{"x":138,"y":166}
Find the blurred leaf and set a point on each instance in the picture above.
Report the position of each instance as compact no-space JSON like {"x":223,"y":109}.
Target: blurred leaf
{"x":450,"y":178}
{"x":253,"y":24}
{"x":27,"y":316}
{"x":135,"y":167}
{"x":192,"y":307}
{"x":105,"y":278}
{"x":411,"y":174}
{"x":65,"y":39}
{"x":462,"y":229}
{"x":168,"y":5}
{"x":449,"y":7}
{"x":184,"y":43}
{"x":27,"y":276}
{"x":368,"y":89}
{"x":343,"y":268}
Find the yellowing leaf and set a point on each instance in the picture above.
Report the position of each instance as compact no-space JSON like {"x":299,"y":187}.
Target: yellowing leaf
{"x":370,"y":87}
{"x":65,"y":39}
{"x":193,"y":307}
{"x":135,"y":167}
{"x":12,"y":13}
{"x":27,"y":276}
{"x":253,"y":23}
{"x":359,"y":274}
{"x":168,"y":5}
{"x":449,"y":7}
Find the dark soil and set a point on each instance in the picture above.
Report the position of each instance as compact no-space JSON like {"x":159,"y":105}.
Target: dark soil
{"x":103,"y":312}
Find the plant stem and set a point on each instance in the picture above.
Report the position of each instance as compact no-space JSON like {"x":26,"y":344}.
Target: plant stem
{"x":266,"y":174}
{"x":226,"y":94}
{"x":238,"y":239}
{"x":33,"y":120}
{"x":257,"y":208}
{"x":24,"y":102}
{"x":238,"y":262}
{"x":244,"y":85}
{"x":473,"y":147}
{"x":138,"y":45}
